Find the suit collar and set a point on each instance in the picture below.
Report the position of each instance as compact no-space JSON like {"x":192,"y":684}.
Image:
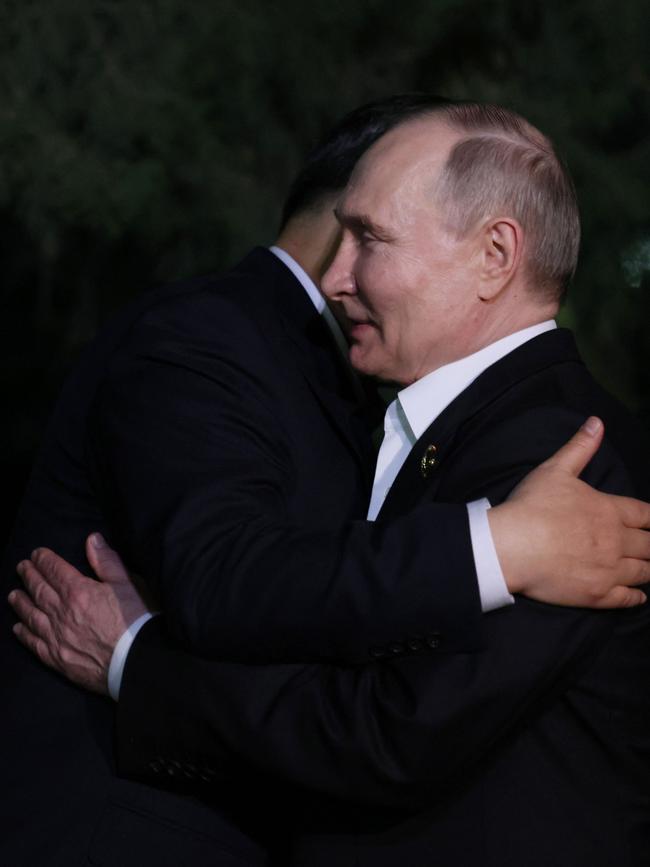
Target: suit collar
{"x":320,"y":362}
{"x":424,"y":400}
{"x":549,"y":349}
{"x":301,"y":321}
{"x":312,"y":290}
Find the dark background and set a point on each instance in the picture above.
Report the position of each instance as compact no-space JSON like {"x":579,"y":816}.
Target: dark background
{"x":145,"y":141}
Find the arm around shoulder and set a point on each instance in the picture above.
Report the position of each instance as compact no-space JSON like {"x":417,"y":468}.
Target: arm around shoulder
{"x":193,"y":461}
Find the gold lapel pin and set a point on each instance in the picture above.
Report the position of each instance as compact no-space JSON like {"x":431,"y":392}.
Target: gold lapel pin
{"x":428,"y":461}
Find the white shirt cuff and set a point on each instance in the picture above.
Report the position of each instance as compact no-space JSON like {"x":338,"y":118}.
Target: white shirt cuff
{"x":492,"y":586}
{"x":118,"y":659}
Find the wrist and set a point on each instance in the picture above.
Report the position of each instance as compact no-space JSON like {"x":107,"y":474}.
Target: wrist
{"x":120,"y":653}
{"x":507,"y":543}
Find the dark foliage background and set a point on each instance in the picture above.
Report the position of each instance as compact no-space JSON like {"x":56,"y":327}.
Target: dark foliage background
{"x":148,"y":140}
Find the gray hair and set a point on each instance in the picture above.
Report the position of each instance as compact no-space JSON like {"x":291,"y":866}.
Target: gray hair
{"x":505,"y":166}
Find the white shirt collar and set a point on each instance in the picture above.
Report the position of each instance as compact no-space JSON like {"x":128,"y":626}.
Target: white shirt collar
{"x":317,"y":299}
{"x":320,"y":304}
{"x":302,"y":277}
{"x":423,"y":401}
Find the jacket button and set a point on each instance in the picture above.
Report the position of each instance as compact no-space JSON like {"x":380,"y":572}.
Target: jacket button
{"x":433,"y":640}
{"x":414,"y":644}
{"x":378,"y":652}
{"x":396,"y":649}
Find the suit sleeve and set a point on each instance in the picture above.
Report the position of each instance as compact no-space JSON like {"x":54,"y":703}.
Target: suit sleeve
{"x":395,"y":733}
{"x":193,"y":464}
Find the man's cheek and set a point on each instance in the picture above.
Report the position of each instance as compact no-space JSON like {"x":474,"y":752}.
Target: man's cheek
{"x":367,"y":352}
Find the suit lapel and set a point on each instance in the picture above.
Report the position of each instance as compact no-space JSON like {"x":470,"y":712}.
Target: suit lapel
{"x":418,"y":478}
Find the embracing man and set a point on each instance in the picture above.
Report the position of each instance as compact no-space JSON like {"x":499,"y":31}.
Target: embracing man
{"x":224,"y":455}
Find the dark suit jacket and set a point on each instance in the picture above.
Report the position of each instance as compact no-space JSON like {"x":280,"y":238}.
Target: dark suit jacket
{"x":533,"y":750}
{"x":211,"y":431}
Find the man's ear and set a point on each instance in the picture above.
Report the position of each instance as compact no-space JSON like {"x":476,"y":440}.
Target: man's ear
{"x":501,"y":243}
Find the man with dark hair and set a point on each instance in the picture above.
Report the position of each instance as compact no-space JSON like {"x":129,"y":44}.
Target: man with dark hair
{"x":215,"y":433}
{"x":327,"y":167}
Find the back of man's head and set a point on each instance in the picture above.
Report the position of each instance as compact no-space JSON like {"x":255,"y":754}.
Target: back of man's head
{"x":329,"y":165}
{"x":503,"y":166}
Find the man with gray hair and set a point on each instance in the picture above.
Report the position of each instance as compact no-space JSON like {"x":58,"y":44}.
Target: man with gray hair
{"x":459,"y":236}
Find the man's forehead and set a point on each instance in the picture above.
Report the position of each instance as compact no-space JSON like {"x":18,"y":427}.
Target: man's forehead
{"x":409,"y":154}
{"x":422,"y":138}
{"x":366,"y":203}
{"x":351,"y":217}
{"x":394,"y":174}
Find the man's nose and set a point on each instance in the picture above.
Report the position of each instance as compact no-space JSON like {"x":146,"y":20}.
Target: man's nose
{"x":338,"y":281}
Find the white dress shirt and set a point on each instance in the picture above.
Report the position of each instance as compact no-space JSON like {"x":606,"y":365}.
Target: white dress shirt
{"x":485,"y":557}
{"x":407,"y":418}
{"x":416,"y":408}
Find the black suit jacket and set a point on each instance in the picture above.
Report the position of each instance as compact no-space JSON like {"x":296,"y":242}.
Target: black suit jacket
{"x":532,"y":750}
{"x":211,"y":431}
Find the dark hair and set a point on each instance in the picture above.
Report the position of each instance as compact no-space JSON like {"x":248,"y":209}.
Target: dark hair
{"x":329,"y":165}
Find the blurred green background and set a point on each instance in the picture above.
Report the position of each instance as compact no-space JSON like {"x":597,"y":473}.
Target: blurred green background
{"x":145,"y":141}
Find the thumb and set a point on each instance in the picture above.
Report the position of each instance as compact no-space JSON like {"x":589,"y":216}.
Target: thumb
{"x":106,"y":562}
{"x":574,"y":455}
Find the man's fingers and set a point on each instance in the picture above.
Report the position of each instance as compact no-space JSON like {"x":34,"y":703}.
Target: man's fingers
{"x":574,"y":455}
{"x":634,"y":513}
{"x":636,"y":544}
{"x":36,"y":620}
{"x":106,"y":562}
{"x":45,"y":596}
{"x":58,"y":573}
{"x":622,"y":597}
{"x":37,"y":645}
{"x":632,"y":572}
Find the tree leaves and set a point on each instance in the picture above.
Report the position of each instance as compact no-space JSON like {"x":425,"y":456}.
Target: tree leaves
{"x":141,"y":142}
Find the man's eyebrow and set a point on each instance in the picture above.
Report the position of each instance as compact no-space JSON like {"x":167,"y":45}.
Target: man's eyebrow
{"x":361,"y":223}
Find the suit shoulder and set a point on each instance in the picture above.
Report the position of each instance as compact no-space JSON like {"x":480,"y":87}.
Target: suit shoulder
{"x":530,"y":424}
{"x":212,"y":305}
{"x":233,"y":315}
{"x":575,"y":396}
